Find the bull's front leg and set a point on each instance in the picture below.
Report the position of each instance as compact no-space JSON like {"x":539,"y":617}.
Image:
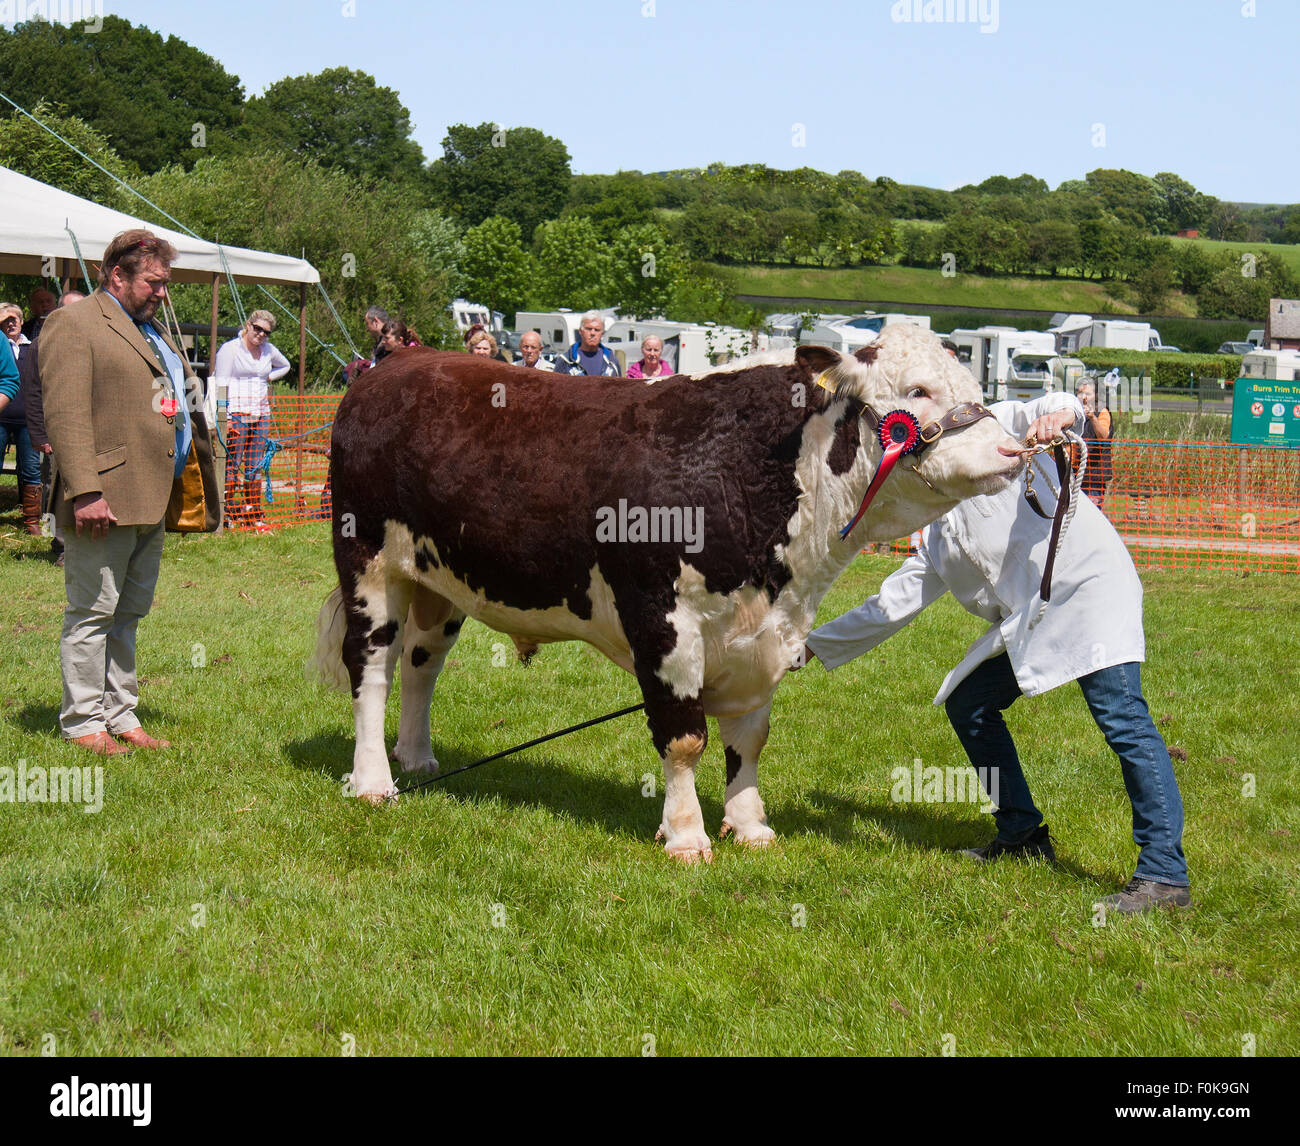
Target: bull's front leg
{"x":744,"y":738}
{"x":679,"y":733}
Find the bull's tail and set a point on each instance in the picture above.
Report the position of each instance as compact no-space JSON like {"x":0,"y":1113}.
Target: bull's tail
{"x":326,"y":664}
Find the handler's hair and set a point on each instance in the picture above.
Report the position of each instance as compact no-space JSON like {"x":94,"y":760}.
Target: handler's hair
{"x":131,"y":249}
{"x":265,"y":317}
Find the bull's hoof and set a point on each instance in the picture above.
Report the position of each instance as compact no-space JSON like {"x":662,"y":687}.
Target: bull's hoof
{"x":425,"y":764}
{"x":687,"y":847}
{"x":374,"y":799}
{"x":751,"y":835}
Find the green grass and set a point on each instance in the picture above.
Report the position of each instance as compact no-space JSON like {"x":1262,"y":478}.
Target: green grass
{"x":919,"y":285}
{"x":323,"y":918}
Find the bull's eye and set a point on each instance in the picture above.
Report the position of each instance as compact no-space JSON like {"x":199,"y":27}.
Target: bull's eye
{"x":918,"y":392}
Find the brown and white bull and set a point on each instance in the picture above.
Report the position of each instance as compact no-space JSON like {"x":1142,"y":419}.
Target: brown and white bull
{"x":686,"y":529}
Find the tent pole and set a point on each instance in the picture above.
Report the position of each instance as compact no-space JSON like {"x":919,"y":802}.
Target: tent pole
{"x":212,"y":382}
{"x":302,"y":385}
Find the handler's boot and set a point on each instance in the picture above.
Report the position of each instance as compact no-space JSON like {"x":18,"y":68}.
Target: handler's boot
{"x":32,"y":509}
{"x":1144,"y":894}
{"x":1036,"y":845}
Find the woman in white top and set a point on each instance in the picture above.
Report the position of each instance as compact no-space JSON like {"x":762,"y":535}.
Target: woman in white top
{"x":246,"y":366}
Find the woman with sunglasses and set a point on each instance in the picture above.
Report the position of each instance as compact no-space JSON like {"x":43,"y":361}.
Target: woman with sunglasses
{"x":246,"y":366}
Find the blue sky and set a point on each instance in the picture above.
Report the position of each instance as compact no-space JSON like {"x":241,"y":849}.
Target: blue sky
{"x":1204,"y":88}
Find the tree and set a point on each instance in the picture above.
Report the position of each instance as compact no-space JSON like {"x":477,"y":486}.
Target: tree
{"x":1053,"y":246}
{"x":1118,"y":188}
{"x":572,"y":267}
{"x":338,"y":118}
{"x":1242,"y":290}
{"x":612,"y":202}
{"x":1184,"y":206}
{"x":28,"y":149}
{"x":156,"y":101}
{"x":495,"y":265}
{"x":519,"y":173}
{"x":437,"y":241}
{"x":643,"y":270}
{"x":358,"y":237}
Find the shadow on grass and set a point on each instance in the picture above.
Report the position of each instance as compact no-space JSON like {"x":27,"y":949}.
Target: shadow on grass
{"x":522,"y":780}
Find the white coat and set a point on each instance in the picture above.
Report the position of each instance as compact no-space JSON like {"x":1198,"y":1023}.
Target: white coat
{"x":989,"y":553}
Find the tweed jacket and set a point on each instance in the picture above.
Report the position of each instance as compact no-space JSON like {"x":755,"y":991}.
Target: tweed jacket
{"x":101,"y":385}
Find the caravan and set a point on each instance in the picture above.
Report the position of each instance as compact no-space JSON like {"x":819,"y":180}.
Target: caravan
{"x":1011,"y":363}
{"x":849,"y":332}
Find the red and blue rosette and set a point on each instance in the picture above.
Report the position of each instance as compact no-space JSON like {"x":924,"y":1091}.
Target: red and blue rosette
{"x":900,"y":434}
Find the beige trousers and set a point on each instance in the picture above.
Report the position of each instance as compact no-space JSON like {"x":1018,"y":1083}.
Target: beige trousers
{"x":110,"y":585}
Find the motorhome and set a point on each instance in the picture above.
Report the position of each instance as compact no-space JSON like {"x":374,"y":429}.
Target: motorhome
{"x":558,"y":328}
{"x":989,"y":351}
{"x":848,"y":332}
{"x":689,"y":347}
{"x":1075,"y":331}
{"x":1281,"y":365}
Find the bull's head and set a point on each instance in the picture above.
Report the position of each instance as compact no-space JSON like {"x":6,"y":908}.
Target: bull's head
{"x":907,"y":369}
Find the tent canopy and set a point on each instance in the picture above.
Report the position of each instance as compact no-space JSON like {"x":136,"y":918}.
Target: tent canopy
{"x":36,"y":219}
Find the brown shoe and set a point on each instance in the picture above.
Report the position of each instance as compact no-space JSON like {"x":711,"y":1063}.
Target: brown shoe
{"x":139,"y":738}
{"x":100,"y":743}
{"x":31,"y":499}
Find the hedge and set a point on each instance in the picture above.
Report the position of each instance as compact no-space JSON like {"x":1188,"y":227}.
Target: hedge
{"x":1166,"y":370}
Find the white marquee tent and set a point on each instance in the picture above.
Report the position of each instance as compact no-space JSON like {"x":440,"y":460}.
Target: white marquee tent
{"x":39,"y":221}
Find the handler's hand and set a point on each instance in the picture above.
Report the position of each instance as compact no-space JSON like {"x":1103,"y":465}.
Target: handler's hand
{"x":1047,"y":427}
{"x":808,"y":655}
{"x":91,"y":510}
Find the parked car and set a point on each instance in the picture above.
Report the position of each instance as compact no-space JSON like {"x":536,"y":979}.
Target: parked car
{"x":1169,"y":349}
{"x":1236,"y":348}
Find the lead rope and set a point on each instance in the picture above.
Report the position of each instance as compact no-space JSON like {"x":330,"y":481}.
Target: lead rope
{"x":1065,"y":506}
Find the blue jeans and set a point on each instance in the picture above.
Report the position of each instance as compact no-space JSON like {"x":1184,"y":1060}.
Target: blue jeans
{"x":29,"y":458}
{"x":1114,"y":697}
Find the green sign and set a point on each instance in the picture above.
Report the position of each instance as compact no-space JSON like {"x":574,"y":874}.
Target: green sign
{"x":1265,"y":412}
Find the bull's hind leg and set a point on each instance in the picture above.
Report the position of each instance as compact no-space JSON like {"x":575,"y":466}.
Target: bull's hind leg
{"x":744,"y":737}
{"x":374,"y":611}
{"x":432,"y":627}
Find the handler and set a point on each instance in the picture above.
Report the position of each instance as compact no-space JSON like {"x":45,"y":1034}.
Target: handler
{"x":989,"y":552}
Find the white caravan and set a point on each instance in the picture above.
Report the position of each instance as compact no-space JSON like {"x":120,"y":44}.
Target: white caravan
{"x":988,"y":353}
{"x":1075,"y":331}
{"x":689,"y":347}
{"x":849,"y":332}
{"x":1280,"y":365}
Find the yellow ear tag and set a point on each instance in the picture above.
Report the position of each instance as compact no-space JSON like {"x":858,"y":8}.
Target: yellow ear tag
{"x":821,"y":381}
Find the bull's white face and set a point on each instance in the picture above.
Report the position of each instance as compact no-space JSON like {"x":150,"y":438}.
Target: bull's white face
{"x":913,"y":372}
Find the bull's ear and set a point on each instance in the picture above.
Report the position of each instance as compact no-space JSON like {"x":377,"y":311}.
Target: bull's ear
{"x":817,"y":359}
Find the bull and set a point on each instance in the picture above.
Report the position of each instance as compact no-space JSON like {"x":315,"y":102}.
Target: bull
{"x":687,"y":529}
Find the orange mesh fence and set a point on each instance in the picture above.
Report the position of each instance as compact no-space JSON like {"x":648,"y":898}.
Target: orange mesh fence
{"x":1206,"y":505}
{"x":1177,"y":505}
{"x":277,"y":468}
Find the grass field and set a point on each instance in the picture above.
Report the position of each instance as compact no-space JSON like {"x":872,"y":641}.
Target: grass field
{"x":1289,"y":253}
{"x":919,"y":285}
{"x":228,"y":900}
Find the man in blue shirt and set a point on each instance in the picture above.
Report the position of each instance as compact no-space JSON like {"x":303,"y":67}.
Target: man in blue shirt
{"x":589,"y":355}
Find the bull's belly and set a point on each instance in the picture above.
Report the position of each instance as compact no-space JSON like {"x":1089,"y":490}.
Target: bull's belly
{"x":731,"y":649}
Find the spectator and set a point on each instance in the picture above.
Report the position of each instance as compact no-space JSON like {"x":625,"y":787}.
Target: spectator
{"x":473,"y":337}
{"x":246,"y":366}
{"x":530,"y":351}
{"x":13,"y":419}
{"x":1096,"y":436}
{"x":652,"y":364}
{"x":42,"y":302}
{"x":375,"y":318}
{"x":482,"y":344}
{"x":989,"y":552}
{"x":589,"y":355}
{"x":13,"y":428}
{"x":33,"y":400}
{"x":396,"y":335}
{"x":124,"y":418}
